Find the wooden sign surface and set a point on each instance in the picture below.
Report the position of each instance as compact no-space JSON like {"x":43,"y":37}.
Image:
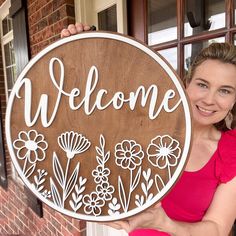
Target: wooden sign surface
{"x":98,"y":126}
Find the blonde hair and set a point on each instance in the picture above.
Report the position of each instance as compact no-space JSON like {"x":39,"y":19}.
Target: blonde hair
{"x":225,"y":53}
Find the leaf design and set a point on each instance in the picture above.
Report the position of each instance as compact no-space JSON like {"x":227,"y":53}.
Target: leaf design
{"x":30,"y":170}
{"x":75,"y":206}
{"x":99,"y":151}
{"x":122,"y":194}
{"x":99,"y":160}
{"x":40,"y":188}
{"x":58,"y":171}
{"x":72,"y":181}
{"x":107,"y":156}
{"x":159,"y":182}
{"x":147,"y":174}
{"x":150,"y":183}
{"x":144,"y":188}
{"x":150,"y":197}
{"x":82,"y":181}
{"x":55,"y":194}
{"x":114,"y":207}
{"x":139,"y":200}
{"x":136,"y":180}
{"x":77,"y":195}
{"x":102,"y":141}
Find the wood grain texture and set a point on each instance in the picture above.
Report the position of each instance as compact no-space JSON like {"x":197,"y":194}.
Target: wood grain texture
{"x":121,"y":68}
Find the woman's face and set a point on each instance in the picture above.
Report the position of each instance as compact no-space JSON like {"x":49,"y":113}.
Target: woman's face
{"x":212,"y":91}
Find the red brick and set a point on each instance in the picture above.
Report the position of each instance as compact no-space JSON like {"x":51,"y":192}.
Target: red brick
{"x":79,"y":224}
{"x":19,"y":223}
{"x":35,"y":17}
{"x":56,"y":224}
{"x":51,"y":228}
{"x":66,"y":232}
{"x":47,"y":9}
{"x":8,"y":229}
{"x":57,"y":3}
{"x":23,"y":218}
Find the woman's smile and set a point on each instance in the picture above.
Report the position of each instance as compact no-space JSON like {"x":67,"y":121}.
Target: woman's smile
{"x":204,"y":111}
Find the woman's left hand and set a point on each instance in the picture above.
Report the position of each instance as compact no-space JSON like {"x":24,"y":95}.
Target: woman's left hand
{"x":152,"y":218}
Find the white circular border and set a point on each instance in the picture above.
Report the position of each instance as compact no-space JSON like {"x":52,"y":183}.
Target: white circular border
{"x":171,"y":74}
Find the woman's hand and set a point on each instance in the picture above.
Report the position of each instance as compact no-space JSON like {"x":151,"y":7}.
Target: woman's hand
{"x":74,"y":29}
{"x":153,"y":218}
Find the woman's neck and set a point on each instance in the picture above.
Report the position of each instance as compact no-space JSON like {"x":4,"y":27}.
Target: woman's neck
{"x":205,"y":132}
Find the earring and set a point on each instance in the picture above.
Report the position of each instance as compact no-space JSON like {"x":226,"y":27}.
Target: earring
{"x":229,"y":119}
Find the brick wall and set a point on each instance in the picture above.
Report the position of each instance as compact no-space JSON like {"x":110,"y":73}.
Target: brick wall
{"x":46,"y":19}
{"x":16,"y":218}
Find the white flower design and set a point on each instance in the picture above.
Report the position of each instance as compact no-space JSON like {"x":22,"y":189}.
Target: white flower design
{"x":128,"y":154}
{"x":73,"y":143}
{"x":100,"y":174}
{"x":163,"y":151}
{"x":105,"y":191}
{"x":30,"y":145}
{"x":93,"y":204}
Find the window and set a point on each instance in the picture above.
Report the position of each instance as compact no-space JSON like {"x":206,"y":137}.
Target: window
{"x":203,"y":16}
{"x":162,"y":21}
{"x":6,"y":37}
{"x":107,"y":19}
{"x":6,"y":25}
{"x":108,"y":15}
{"x":191,"y":50}
{"x":179,"y":29}
{"x":8,"y":53}
{"x":10,"y":65}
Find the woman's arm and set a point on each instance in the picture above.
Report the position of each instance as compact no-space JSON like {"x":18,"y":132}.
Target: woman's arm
{"x":217,"y":221}
{"x":220,"y":216}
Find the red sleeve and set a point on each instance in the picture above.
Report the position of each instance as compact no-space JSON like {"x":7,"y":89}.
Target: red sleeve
{"x":226,"y":161}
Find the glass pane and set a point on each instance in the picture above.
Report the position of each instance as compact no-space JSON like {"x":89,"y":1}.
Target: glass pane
{"x":191,"y":50}
{"x":9,"y":53}
{"x":10,"y":78}
{"x":162,"y":21}
{"x":170,"y":55}
{"x":107,"y":19}
{"x":203,"y":16}
{"x":10,"y":64}
{"x":6,"y":25}
{"x":235,"y":39}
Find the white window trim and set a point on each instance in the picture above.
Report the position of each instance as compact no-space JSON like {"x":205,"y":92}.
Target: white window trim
{"x":4,"y":11}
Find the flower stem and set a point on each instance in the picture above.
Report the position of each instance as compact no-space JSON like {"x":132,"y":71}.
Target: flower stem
{"x":169,"y":172}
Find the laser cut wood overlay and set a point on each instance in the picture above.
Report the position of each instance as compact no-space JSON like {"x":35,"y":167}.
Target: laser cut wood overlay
{"x":98,"y":126}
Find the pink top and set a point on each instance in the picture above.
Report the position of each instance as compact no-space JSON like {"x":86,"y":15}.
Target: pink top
{"x":190,"y":198}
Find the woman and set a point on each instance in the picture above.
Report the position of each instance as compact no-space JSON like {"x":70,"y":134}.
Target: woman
{"x":203,"y":202}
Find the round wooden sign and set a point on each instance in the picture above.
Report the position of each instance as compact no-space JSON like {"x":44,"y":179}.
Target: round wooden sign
{"x":98,"y":126}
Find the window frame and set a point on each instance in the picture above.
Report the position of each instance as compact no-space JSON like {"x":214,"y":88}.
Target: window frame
{"x":5,"y":39}
{"x":139,"y":7}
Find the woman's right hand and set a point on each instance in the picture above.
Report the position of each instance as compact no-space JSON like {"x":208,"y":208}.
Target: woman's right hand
{"x":74,"y":29}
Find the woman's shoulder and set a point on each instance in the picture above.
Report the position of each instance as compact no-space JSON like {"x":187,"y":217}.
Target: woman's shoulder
{"x":226,"y":161}
{"x":228,"y":139}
